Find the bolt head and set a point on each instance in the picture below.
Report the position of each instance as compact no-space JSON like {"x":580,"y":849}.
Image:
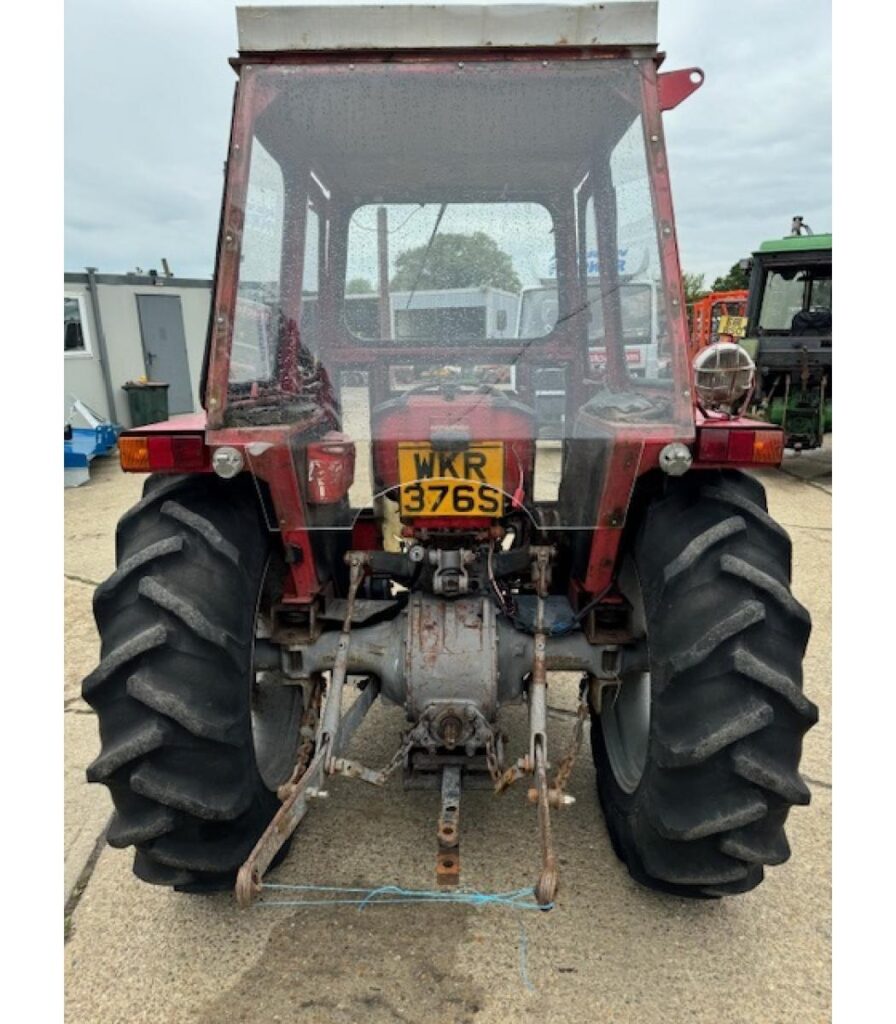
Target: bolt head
{"x":676,"y":459}
{"x":227,"y":462}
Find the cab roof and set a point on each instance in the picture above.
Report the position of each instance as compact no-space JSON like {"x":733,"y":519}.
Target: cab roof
{"x":449,"y":26}
{"x":797,"y":243}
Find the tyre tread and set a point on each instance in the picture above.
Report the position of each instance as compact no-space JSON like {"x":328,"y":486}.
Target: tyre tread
{"x":172,"y":686}
{"x":728,"y":708}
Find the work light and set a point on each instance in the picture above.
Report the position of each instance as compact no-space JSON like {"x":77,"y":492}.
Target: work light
{"x":724,"y":376}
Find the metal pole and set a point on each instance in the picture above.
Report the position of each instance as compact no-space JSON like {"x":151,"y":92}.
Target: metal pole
{"x":382,"y":239}
{"x":606,"y":224}
{"x":101,"y":341}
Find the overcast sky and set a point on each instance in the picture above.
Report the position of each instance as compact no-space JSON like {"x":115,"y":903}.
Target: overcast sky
{"x":148,"y":95}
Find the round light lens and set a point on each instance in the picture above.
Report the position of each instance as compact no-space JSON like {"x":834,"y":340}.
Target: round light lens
{"x":227,"y":462}
{"x":724,"y":376}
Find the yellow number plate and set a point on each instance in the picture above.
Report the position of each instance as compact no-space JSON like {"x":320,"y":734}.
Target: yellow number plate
{"x":451,"y":483}
{"x":736,"y":326}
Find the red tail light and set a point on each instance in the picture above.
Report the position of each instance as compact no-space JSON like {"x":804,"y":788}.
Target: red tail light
{"x":738,"y":445}
{"x":164,"y":453}
{"x":331,"y":468}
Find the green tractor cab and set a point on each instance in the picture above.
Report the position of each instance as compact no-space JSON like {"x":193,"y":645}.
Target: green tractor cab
{"x":789,"y":335}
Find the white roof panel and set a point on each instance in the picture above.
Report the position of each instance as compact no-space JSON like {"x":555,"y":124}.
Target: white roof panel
{"x":446,"y":26}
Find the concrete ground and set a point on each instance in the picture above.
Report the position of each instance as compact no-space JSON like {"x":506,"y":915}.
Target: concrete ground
{"x":610,"y":951}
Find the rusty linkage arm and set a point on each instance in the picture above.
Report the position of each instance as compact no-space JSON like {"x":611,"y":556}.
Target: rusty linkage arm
{"x":546,"y":887}
{"x":329,"y":730}
{"x":536,"y":760}
{"x":307,"y":783}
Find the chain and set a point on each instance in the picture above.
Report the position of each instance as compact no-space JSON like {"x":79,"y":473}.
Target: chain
{"x":307,"y":729}
{"x":564,"y":768}
{"x":310,"y":722}
{"x":356,"y":770}
{"x":491,"y":758}
{"x":398,"y":759}
{"x":516,"y":771}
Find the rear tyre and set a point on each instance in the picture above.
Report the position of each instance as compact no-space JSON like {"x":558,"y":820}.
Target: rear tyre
{"x":174,"y":690}
{"x":697,"y":759}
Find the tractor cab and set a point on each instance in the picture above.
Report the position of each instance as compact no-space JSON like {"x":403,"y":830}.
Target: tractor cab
{"x":417,"y":249}
{"x":789,"y":335}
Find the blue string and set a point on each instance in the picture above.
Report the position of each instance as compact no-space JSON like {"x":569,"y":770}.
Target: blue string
{"x":524,"y":957}
{"x":517,"y":899}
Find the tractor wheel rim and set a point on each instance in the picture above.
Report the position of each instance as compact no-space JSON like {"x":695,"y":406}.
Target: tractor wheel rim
{"x":625,"y":717}
{"x":275,"y":713}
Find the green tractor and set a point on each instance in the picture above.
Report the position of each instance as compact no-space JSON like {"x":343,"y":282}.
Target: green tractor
{"x":789,"y":334}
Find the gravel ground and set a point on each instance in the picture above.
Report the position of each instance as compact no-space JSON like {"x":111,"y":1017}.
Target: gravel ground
{"x":610,"y":951}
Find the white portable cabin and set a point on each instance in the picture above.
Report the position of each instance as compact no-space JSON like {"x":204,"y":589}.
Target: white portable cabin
{"x":120,"y":327}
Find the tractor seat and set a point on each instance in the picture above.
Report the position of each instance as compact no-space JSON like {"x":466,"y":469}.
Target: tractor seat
{"x":811,"y":322}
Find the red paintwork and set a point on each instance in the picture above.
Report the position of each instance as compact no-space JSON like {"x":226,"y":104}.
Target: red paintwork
{"x":661,"y":192}
{"x":420,"y":415}
{"x":626,"y":463}
{"x":246,"y":110}
{"x":366,"y":535}
{"x":465,"y":523}
{"x":268,"y":453}
{"x":674,"y":87}
{"x":276,"y":467}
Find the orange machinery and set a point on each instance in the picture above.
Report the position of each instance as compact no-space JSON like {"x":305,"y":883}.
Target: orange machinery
{"x":719,"y":316}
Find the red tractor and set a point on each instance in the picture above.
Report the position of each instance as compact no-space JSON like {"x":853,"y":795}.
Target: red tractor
{"x":368,"y":502}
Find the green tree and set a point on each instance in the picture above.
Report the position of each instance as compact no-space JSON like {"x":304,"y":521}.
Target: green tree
{"x":735,"y":279}
{"x":358,"y":286}
{"x":456,"y":261}
{"x":693,"y":287}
